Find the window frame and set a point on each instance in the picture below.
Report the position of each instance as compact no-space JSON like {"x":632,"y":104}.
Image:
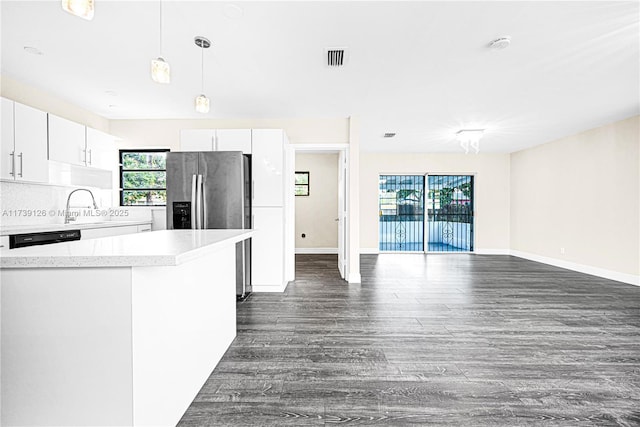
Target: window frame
{"x":122,"y":170}
{"x":303,"y":185}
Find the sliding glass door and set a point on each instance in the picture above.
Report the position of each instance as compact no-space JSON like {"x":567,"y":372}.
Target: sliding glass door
{"x":450,"y":213}
{"x":449,"y":222}
{"x":401,"y":213}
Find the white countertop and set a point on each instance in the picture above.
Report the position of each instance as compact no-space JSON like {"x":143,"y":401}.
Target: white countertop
{"x":156,"y":248}
{"x":34,"y":228}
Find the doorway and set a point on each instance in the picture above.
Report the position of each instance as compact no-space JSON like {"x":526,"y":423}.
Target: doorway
{"x":336,"y":221}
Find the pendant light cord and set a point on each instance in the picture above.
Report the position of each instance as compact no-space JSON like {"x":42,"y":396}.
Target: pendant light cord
{"x":202,"y":69}
{"x":161,"y":28}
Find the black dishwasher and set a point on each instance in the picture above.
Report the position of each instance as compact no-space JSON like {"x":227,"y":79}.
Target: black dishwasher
{"x":43,"y":238}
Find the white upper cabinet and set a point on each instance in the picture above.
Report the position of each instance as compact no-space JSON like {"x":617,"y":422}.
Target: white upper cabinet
{"x":66,"y":141}
{"x":216,"y":140}
{"x":101,"y":150}
{"x":267,"y":166}
{"x":233,"y":140}
{"x":24,"y":143}
{"x":197,"y":139}
{"x":7,"y":150}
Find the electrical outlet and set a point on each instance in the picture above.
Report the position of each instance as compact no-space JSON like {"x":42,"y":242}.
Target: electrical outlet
{"x":562,"y":251}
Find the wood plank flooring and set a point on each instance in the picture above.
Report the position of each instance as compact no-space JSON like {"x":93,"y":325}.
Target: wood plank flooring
{"x":451,"y":340}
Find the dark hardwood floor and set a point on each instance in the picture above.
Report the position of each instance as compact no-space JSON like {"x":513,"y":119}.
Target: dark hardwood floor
{"x":459,"y":340}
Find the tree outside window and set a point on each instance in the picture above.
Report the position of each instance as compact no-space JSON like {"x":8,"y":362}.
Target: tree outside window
{"x":143,"y":177}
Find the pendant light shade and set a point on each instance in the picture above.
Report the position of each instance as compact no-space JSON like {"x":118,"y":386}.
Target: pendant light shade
{"x":160,"y":70}
{"x":81,"y":8}
{"x":202,"y":104}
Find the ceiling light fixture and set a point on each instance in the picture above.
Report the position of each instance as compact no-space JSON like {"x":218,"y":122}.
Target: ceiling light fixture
{"x":160,"y":69}
{"x":470,"y":138}
{"x":500,"y":43}
{"x":81,"y":8}
{"x":202,"y":102}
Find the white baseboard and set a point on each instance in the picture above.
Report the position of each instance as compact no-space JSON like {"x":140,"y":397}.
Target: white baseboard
{"x":316,"y":250}
{"x":488,"y":251}
{"x":369,"y":251}
{"x":269,"y":288}
{"x":581,"y":268}
{"x":354,"y":278}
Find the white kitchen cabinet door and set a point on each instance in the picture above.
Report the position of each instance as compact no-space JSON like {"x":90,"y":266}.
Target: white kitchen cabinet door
{"x":7,"y":165}
{"x":101,"y":150}
{"x":67,"y":142}
{"x":197,"y":139}
{"x":95,"y":233}
{"x":30,"y":127}
{"x":267,"y":248}
{"x":233,"y":140}
{"x":267,"y":162}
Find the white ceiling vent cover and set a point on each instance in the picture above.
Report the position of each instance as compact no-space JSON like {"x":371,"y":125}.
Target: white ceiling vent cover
{"x":336,"y":56}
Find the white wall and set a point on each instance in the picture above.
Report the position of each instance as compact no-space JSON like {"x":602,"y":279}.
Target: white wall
{"x":491,"y":192}
{"x":29,"y":95}
{"x":166,"y":133}
{"x":316,"y":213}
{"x":580,"y":193}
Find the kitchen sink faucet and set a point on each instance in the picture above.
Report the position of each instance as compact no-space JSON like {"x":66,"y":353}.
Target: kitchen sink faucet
{"x":67,"y":216}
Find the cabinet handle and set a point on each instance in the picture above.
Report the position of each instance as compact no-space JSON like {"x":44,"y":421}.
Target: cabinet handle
{"x":13,"y":163}
{"x":20,"y":173}
{"x":90,"y":158}
{"x":85,"y":157}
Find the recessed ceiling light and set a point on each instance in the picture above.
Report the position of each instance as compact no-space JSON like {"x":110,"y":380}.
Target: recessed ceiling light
{"x":33,"y":50}
{"x":500,"y":43}
{"x":389,"y":134}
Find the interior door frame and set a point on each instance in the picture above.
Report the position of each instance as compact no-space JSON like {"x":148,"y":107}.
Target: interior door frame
{"x":342,"y":150}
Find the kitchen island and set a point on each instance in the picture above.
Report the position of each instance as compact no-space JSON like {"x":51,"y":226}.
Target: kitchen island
{"x":119,"y":331}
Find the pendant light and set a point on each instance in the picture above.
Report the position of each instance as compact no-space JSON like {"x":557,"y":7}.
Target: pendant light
{"x":160,"y":69}
{"x":202,"y":102}
{"x":81,"y":8}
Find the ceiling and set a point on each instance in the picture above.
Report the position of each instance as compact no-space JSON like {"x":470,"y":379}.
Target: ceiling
{"x":420,"y":69}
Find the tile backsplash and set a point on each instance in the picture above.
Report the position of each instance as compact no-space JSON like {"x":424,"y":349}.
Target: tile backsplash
{"x":23,"y":203}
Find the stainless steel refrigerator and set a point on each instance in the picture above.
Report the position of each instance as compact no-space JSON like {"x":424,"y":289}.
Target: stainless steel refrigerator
{"x":212,"y":190}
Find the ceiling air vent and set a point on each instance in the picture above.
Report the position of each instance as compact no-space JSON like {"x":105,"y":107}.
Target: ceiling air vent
{"x":336,"y":56}
{"x":389,"y":134}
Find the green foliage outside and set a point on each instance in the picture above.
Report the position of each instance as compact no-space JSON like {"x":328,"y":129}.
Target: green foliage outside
{"x":146,"y":186}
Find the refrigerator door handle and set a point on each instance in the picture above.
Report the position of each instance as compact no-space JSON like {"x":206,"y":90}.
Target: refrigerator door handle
{"x":199,"y":199}
{"x":193,"y":202}
{"x":204,"y":204}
